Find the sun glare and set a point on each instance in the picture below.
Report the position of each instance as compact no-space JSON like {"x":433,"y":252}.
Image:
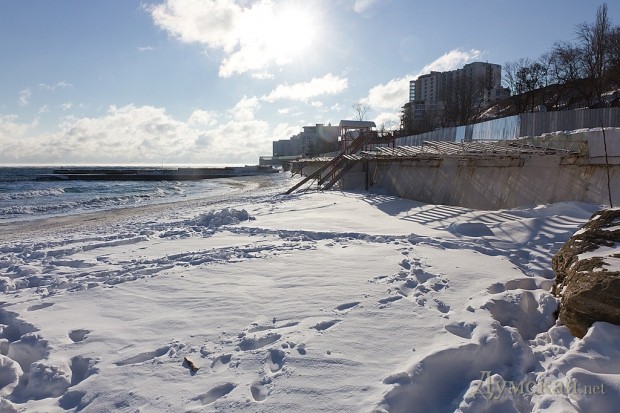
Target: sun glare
{"x":285,"y":34}
{"x":294,"y":29}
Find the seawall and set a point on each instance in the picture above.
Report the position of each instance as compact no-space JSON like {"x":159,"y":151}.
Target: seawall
{"x":494,"y":183}
{"x":577,"y":171}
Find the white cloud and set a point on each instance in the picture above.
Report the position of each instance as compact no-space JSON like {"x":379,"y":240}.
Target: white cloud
{"x":263,"y":75}
{"x":211,"y":22}
{"x":66,"y":106}
{"x":285,"y":131}
{"x":337,"y":107}
{"x":389,"y":95}
{"x":326,"y":85}
{"x":252,"y":35}
{"x":201,"y":117}
{"x":13,"y":136}
{"x":24,"y":97}
{"x":10,"y":128}
{"x":146,"y":49}
{"x":142,"y":134}
{"x":245,"y":108}
{"x":451,"y":60}
{"x":59,"y":85}
{"x":125,"y":134}
{"x":26,"y":94}
{"x":395,"y":93}
{"x":240,"y":140}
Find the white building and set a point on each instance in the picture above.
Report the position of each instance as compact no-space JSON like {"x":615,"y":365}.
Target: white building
{"x":314,"y":140}
{"x":432,"y":94}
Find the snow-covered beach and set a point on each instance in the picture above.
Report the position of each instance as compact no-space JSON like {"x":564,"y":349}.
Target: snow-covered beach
{"x":329,"y":301}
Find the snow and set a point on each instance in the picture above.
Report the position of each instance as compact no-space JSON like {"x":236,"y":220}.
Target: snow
{"x":310,"y":302}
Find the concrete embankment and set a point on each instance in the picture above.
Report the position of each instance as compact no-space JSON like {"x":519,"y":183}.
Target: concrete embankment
{"x":584,"y":166}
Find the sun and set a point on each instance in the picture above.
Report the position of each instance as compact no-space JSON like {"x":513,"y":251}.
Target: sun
{"x":293,"y":30}
{"x":281,"y":34}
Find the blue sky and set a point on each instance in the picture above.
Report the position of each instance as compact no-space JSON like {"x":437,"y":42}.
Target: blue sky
{"x":216,"y":81}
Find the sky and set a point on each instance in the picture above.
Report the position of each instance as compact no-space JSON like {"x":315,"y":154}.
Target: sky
{"x":211,"y":82}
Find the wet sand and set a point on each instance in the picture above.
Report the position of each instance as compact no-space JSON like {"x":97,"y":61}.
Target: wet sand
{"x":32,"y":228}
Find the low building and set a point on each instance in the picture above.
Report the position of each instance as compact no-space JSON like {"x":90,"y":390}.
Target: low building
{"x":350,"y":129}
{"x":312,"y":141}
{"x":282,"y":147}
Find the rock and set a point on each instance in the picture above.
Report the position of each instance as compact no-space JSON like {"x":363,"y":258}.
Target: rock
{"x":587,"y":269}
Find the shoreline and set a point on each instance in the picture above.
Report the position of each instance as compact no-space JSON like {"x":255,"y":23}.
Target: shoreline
{"x":30,"y":227}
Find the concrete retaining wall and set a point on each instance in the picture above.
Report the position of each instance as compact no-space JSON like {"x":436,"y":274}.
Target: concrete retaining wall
{"x":495,"y":182}
{"x":510,"y":181}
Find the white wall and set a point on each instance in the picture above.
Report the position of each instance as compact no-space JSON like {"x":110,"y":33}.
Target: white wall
{"x":497,"y":182}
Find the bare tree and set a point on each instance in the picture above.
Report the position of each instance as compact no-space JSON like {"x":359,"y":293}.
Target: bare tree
{"x":387,"y":125}
{"x":361,"y":110}
{"x":565,"y":63}
{"x":614,"y":58}
{"x":594,"y":39}
{"x":527,"y":81}
{"x":566,"y":73}
{"x":512,"y":73}
{"x":464,"y":101}
{"x":533,"y":79}
{"x":406,"y":118}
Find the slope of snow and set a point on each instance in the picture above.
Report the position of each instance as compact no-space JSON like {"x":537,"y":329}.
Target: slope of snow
{"x":314,"y":302}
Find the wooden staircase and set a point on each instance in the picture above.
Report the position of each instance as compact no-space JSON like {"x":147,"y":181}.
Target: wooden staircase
{"x":330,"y":173}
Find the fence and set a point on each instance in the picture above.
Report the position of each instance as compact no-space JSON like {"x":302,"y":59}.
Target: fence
{"x":525,"y":124}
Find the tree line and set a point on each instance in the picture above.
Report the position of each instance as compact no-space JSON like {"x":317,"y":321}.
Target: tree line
{"x":571,"y":75}
{"x":577,"y":74}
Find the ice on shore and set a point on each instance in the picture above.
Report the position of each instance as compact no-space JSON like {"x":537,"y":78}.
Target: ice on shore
{"x":315,"y":302}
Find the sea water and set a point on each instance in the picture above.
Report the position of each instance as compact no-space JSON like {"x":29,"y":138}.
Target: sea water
{"x":22,"y":197}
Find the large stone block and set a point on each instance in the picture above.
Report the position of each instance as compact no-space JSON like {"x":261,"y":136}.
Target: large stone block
{"x":587,"y":271}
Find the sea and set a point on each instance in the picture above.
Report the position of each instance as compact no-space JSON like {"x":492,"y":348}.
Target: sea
{"x":23,"y":197}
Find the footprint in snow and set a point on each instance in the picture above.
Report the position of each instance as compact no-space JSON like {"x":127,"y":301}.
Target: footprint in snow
{"x":253,"y":343}
{"x":301,"y":348}
{"x":438,"y":286}
{"x":441,"y":306}
{"x":41,"y":306}
{"x":256,"y":328}
{"x":259,"y":391}
{"x":406,"y":287}
{"x":347,"y":306}
{"x":220,"y":362}
{"x":324,"y":325}
{"x":275,"y":360}
{"x":142,"y":357}
{"x":78,"y":335}
{"x":215,"y":393}
{"x":461,"y":329}
{"x":390,"y":299}
{"x":422,"y":275}
{"x":71,"y":399}
{"x":81,"y":368}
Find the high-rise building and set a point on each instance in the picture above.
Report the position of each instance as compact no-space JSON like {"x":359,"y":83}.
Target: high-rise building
{"x":439,"y":99}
